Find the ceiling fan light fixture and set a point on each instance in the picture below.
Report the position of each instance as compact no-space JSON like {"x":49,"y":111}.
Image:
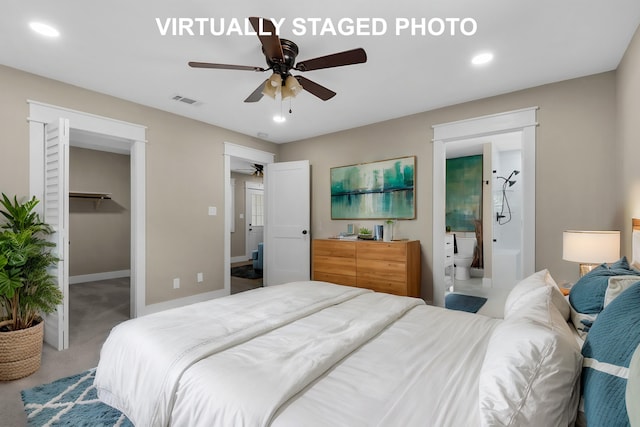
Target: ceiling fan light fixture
{"x":269,"y":90}
{"x":291,"y":87}
{"x":275,"y":80}
{"x":278,"y":118}
{"x":287,"y":93}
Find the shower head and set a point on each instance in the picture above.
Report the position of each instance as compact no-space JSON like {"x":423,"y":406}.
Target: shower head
{"x":515,"y":172}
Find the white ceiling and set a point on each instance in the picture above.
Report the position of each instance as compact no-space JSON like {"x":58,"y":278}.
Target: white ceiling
{"x":115,"y":47}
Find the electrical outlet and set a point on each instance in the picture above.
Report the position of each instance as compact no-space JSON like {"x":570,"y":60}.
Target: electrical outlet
{"x":176,"y":283}
{"x":200,"y":277}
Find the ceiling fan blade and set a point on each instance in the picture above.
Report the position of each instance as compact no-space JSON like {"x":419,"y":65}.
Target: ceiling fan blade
{"x":268,"y":37}
{"x":224,"y":66}
{"x":348,"y":57}
{"x":315,"y":89}
{"x":256,"y":95}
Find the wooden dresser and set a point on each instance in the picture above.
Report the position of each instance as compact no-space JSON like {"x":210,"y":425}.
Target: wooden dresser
{"x":391,"y":267}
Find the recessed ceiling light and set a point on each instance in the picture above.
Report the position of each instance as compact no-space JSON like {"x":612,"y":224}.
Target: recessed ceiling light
{"x":44,"y":29}
{"x":279,"y":119}
{"x":482,"y":58}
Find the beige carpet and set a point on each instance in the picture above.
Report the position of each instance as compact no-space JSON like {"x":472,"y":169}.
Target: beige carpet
{"x":94,"y":309}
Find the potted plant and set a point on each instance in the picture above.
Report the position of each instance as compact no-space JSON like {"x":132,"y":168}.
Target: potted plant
{"x":365,"y":233}
{"x":27,"y":289}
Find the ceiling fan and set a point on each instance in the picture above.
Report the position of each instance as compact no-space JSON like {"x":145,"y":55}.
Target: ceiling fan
{"x":256,"y":170}
{"x":281,"y":58}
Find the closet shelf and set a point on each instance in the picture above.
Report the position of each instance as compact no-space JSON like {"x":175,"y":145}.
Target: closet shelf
{"x":95,"y":196}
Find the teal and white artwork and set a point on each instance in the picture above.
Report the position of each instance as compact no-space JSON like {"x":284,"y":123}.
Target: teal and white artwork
{"x":378,"y":190}
{"x":464,"y":192}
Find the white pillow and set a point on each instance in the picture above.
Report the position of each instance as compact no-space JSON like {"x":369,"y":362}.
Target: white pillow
{"x":530,"y":374}
{"x":616,"y":285}
{"x":517,"y":298}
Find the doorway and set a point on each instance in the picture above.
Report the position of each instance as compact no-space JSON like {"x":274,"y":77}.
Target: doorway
{"x":448,"y":137}
{"x":99,"y":238}
{"x":237,"y":154}
{"x":110,"y":135}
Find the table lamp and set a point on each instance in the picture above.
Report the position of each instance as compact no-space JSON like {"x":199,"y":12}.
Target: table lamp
{"x":590,"y":248}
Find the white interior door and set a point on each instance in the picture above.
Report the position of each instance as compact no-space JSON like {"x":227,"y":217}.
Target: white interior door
{"x":287,"y":234}
{"x":56,"y":207}
{"x":254,"y":210}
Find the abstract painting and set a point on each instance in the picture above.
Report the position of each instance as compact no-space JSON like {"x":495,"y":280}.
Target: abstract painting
{"x":464,"y":192}
{"x":378,"y":190}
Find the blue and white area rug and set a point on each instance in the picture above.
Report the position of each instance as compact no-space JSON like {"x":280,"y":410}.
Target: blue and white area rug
{"x":71,"y":401}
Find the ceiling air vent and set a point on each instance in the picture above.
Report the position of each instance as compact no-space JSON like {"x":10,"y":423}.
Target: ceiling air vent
{"x":185,"y":100}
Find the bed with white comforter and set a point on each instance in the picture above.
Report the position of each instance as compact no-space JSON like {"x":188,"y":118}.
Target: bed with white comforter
{"x":319,"y":354}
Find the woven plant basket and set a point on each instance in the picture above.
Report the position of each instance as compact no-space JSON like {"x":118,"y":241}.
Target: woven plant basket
{"x":20,"y":352}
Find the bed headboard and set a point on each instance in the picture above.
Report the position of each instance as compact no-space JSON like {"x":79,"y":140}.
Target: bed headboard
{"x":635,"y":242}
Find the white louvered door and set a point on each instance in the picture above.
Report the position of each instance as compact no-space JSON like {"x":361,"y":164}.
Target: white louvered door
{"x":56,"y":207}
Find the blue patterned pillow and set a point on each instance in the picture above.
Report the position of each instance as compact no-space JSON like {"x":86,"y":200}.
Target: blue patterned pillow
{"x":607,"y":353}
{"x":587,"y":295}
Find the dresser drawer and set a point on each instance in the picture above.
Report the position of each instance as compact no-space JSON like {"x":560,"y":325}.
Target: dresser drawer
{"x":334,"y":248}
{"x":382,"y":251}
{"x":385,"y":270}
{"x":334,"y":265}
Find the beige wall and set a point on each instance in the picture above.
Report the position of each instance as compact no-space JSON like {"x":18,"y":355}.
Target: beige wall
{"x":99,"y":234}
{"x":628,"y":91}
{"x":578,"y":172}
{"x":238,"y":237}
{"x":575,"y":169}
{"x":185,"y":168}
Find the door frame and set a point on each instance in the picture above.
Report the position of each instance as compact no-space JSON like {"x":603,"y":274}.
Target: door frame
{"x":118,"y":137}
{"x":523,"y":121}
{"x":254,"y":156}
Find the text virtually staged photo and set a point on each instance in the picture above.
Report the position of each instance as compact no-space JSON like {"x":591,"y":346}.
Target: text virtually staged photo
{"x":336,"y":214}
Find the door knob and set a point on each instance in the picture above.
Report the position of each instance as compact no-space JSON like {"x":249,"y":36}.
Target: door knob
{"x":304,"y":231}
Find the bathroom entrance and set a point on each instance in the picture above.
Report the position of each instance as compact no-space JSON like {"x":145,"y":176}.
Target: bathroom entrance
{"x":506,"y":142}
{"x":484,"y":210}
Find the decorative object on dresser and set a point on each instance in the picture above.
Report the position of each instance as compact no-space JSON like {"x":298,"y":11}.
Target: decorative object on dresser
{"x":378,"y":190}
{"x":590,"y":248}
{"x":391,"y":267}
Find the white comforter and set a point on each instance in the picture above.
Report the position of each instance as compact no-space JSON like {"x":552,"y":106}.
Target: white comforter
{"x":253,"y":350}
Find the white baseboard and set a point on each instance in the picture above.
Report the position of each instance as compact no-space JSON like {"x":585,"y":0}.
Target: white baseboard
{"x":241,"y":258}
{"x":95,"y":277}
{"x":161,"y":306}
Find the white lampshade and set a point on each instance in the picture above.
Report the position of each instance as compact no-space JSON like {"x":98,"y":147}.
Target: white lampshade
{"x":591,"y":247}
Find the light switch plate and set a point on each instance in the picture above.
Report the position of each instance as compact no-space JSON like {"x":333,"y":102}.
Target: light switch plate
{"x":213,"y":211}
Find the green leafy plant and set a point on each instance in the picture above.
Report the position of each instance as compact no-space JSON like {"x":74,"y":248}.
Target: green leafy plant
{"x":26,"y":288}
{"x":364,"y":230}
